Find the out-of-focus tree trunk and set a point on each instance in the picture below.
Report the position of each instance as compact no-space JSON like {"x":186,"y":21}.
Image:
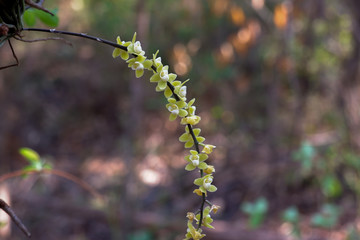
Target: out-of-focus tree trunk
{"x":349,"y":87}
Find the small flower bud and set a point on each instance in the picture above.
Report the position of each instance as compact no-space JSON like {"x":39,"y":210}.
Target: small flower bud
{"x":214,"y":208}
{"x":164,"y":75}
{"x":198,"y":192}
{"x":190,"y":216}
{"x":174,"y":109}
{"x":208,"y":148}
{"x":207,"y":182}
{"x":210,"y":169}
{"x":182,"y":92}
{"x":137,"y":66}
{"x":157,"y":62}
{"x":137,"y":47}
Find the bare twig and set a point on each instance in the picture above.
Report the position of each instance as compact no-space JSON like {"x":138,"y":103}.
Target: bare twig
{"x":6,"y":208}
{"x":43,"y":39}
{"x":38,"y":6}
{"x":14,"y":55}
{"x":81,"y":35}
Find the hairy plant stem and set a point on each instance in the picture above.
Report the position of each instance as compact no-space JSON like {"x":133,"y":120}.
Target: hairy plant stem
{"x":172,"y":88}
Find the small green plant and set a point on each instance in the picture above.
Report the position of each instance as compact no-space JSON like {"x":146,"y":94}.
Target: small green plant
{"x":35,"y":162}
{"x":323,"y":169}
{"x":327,"y":217}
{"x":256,"y":212}
{"x":305,"y":155}
{"x":291,"y":215}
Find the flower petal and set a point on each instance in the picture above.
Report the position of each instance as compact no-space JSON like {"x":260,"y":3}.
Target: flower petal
{"x":167,"y":92}
{"x":116,"y":52}
{"x":190,"y":167}
{"x":203,"y":157}
{"x":172,"y":77}
{"x":162,"y":85}
{"x":189,"y":144}
{"x":198,"y":181}
{"x":212,"y":188}
{"x":202,"y":165}
{"x":172,"y":117}
{"x":124,"y":55}
{"x":155,"y":78}
{"x":139,"y":73}
{"x":184,"y":137}
{"x":196,"y":131}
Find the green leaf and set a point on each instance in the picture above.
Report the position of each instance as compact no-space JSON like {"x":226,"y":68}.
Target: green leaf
{"x":47,"y":166}
{"x":3,"y":224}
{"x":30,"y":155}
{"x":29,"y":17}
{"x":256,"y":211}
{"x":29,"y":168}
{"x":327,"y":218}
{"x":261,"y":205}
{"x":331,"y":186}
{"x":247,"y":207}
{"x":305,"y":155}
{"x":46,"y":18}
{"x":291,"y":215}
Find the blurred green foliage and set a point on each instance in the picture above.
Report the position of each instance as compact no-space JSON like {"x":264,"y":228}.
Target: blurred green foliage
{"x":31,"y":14}
{"x":261,"y":90}
{"x":327,"y":217}
{"x":34,"y":160}
{"x":292,"y":216}
{"x":256,"y":212}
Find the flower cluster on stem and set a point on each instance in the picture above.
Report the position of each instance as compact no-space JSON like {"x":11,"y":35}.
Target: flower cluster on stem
{"x":175,"y":92}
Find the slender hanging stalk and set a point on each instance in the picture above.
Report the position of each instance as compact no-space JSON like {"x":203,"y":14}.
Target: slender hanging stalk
{"x":172,"y":88}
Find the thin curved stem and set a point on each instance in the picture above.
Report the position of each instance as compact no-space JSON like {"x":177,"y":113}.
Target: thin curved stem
{"x":14,"y":55}
{"x":58,"y":173}
{"x":81,"y":35}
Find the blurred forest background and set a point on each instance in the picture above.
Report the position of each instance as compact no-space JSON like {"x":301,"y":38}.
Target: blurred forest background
{"x":278,"y":89}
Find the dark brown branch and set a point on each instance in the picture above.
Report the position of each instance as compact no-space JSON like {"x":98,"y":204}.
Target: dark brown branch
{"x":6,"y":208}
{"x":81,"y":35}
{"x":43,"y":39}
{"x":38,"y":6}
